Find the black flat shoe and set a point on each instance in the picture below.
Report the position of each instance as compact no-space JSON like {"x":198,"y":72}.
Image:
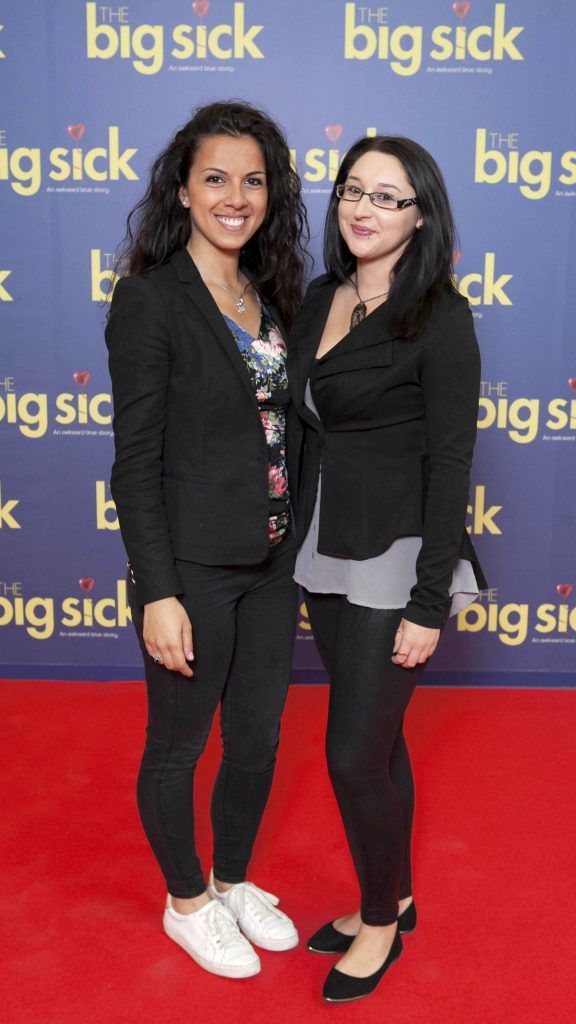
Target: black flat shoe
{"x":329,"y":940}
{"x":343,"y":988}
{"x":407,"y":919}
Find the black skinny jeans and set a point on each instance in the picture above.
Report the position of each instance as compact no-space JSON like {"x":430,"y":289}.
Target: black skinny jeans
{"x":368,"y":759}
{"x":243,"y":622}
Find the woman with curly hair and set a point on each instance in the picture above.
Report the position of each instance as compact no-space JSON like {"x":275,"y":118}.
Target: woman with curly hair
{"x":197,"y":359}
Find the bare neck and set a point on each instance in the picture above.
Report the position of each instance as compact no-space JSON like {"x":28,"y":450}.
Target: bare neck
{"x":217,"y":264}
{"x":373,"y":277}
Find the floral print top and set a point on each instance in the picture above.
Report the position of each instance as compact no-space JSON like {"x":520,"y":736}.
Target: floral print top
{"x":265,"y":359}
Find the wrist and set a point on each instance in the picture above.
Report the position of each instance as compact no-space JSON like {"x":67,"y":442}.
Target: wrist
{"x":161,"y":601}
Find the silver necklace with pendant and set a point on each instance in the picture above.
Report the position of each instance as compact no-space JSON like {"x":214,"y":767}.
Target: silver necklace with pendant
{"x":359,"y":311}
{"x":239,"y":300}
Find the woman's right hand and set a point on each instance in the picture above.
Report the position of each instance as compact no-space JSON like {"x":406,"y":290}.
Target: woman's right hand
{"x":168,"y":634}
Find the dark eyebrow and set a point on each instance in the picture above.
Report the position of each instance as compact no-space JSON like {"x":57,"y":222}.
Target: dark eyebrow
{"x":381,"y":184}
{"x":220,"y":171}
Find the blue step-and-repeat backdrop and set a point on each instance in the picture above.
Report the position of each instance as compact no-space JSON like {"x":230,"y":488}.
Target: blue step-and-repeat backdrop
{"x":91,"y":92}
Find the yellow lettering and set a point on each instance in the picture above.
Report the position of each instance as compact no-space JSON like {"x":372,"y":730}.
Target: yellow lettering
{"x":72,"y":616}
{"x":184,"y":48}
{"x":568,"y":163}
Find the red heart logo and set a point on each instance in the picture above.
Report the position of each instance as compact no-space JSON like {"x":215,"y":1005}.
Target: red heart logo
{"x":87,"y":582}
{"x":201,"y":8}
{"x":572,"y":383}
{"x":564,"y":589}
{"x":462,"y":8}
{"x":76,"y":131}
{"x":456,"y":256}
{"x":333,"y":132}
{"x":81,"y":377}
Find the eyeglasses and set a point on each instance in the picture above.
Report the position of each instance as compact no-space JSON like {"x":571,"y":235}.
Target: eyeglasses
{"x":383,"y":200}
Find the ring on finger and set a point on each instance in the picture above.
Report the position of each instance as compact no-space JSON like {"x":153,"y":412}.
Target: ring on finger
{"x":157,"y":658}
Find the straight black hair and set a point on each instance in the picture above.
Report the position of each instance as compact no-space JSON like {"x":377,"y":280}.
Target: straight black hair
{"x":159,"y":225}
{"x":424,"y":270}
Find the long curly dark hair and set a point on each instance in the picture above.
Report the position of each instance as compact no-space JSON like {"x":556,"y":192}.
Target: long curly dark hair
{"x":159,"y":225}
{"x":424,"y":270}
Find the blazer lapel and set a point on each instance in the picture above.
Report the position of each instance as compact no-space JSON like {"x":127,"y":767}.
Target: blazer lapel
{"x":371,"y":332}
{"x":199,"y":294}
{"x":369,"y":345}
{"x":363,"y":346}
{"x":308,"y":331}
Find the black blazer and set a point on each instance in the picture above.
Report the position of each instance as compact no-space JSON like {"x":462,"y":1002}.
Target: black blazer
{"x":395,"y":440}
{"x":190,"y":478}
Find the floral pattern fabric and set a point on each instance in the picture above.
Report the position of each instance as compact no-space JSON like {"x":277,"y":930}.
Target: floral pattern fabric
{"x":265,"y":359}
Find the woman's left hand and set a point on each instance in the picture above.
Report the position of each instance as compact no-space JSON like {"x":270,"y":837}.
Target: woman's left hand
{"x":414,"y":644}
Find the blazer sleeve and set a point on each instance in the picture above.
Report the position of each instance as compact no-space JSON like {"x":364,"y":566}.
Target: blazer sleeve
{"x":137,"y":336}
{"x":294,"y":425}
{"x":451,"y":384}
{"x":294,"y":442}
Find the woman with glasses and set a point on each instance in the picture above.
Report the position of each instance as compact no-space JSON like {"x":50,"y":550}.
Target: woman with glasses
{"x":385,"y":375}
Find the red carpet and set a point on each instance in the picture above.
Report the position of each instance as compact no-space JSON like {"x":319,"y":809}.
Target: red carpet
{"x":82,"y":897}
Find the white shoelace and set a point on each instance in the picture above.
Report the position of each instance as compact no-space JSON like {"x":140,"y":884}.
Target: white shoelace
{"x":260,"y":905}
{"x":223,"y":925}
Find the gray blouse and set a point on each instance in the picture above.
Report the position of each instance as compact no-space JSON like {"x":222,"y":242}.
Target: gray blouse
{"x":384,"y":581}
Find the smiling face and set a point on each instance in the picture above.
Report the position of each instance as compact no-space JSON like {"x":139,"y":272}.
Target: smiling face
{"x":226,"y":193}
{"x":370,"y":232}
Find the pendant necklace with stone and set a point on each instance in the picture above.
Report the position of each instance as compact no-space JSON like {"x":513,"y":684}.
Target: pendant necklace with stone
{"x":239,"y":300}
{"x":359,"y":311}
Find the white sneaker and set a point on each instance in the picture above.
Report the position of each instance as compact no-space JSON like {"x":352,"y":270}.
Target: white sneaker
{"x":257,"y":915}
{"x":211,"y":937}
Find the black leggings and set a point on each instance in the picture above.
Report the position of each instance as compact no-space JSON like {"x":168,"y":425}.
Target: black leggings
{"x":368,"y":759}
{"x":243,"y":620}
